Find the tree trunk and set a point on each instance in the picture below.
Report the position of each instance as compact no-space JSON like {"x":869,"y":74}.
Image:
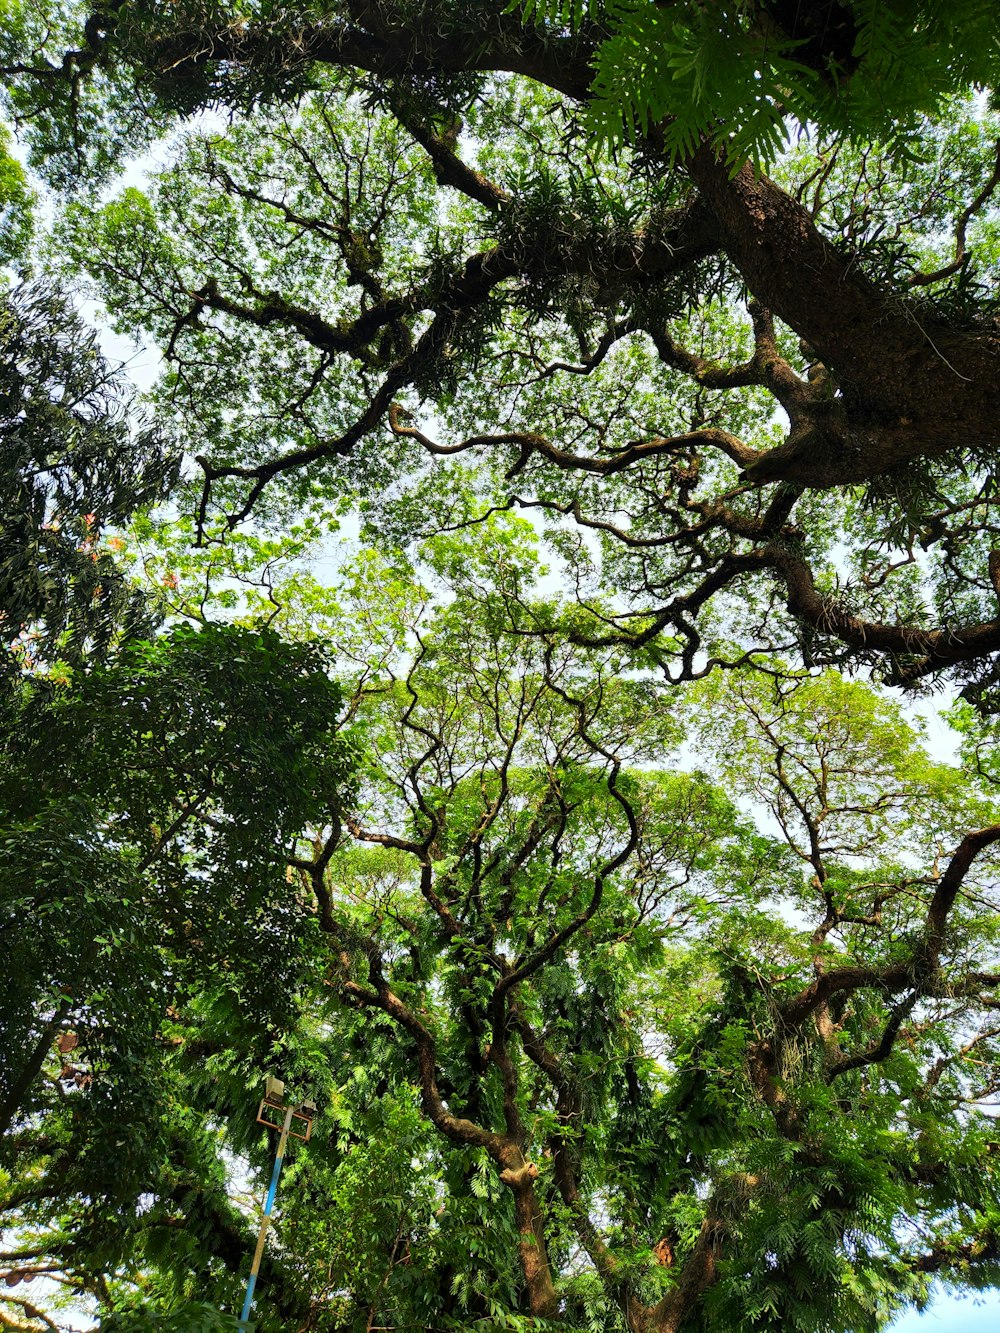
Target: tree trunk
{"x":520,"y":1178}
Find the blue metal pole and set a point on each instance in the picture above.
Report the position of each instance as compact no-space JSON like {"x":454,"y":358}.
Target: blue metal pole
{"x":266,"y":1219}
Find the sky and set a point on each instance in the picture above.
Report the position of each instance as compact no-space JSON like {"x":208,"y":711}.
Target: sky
{"x":950,"y":1314}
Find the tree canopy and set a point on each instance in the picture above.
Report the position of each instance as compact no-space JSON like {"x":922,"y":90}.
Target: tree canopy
{"x":592,"y":1048}
{"x":571,"y":842}
{"x":407,"y":243}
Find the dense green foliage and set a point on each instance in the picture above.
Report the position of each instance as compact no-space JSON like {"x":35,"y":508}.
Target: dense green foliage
{"x":72,"y":463}
{"x":641,"y":959}
{"x":423,"y":255}
{"x":866,"y":69}
{"x":549,"y":990}
{"x":145,"y":813}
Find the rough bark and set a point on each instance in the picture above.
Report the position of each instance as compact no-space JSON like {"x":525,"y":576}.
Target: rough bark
{"x":906,"y":389}
{"x":520,"y":1177}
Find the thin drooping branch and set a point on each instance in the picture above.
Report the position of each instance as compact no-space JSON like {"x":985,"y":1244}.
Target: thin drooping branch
{"x":532,"y":960}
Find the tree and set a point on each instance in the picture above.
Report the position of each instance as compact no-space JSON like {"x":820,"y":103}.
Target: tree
{"x":591,"y":1049}
{"x":578,"y":905}
{"x":147,"y":811}
{"x":73,"y":463}
{"x":653,"y":1066}
{"x":711,"y":368}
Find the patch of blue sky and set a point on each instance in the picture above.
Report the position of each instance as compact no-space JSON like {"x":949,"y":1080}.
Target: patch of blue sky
{"x":979,"y":1313}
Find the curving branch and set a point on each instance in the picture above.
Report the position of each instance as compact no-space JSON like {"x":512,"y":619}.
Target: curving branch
{"x":448,"y":167}
{"x":766,"y":368}
{"x":919,"y":970}
{"x":530,"y":443}
{"x":961,"y":231}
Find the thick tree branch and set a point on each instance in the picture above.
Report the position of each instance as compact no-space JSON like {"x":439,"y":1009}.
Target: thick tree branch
{"x":925,"y":958}
{"x":448,"y":167}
